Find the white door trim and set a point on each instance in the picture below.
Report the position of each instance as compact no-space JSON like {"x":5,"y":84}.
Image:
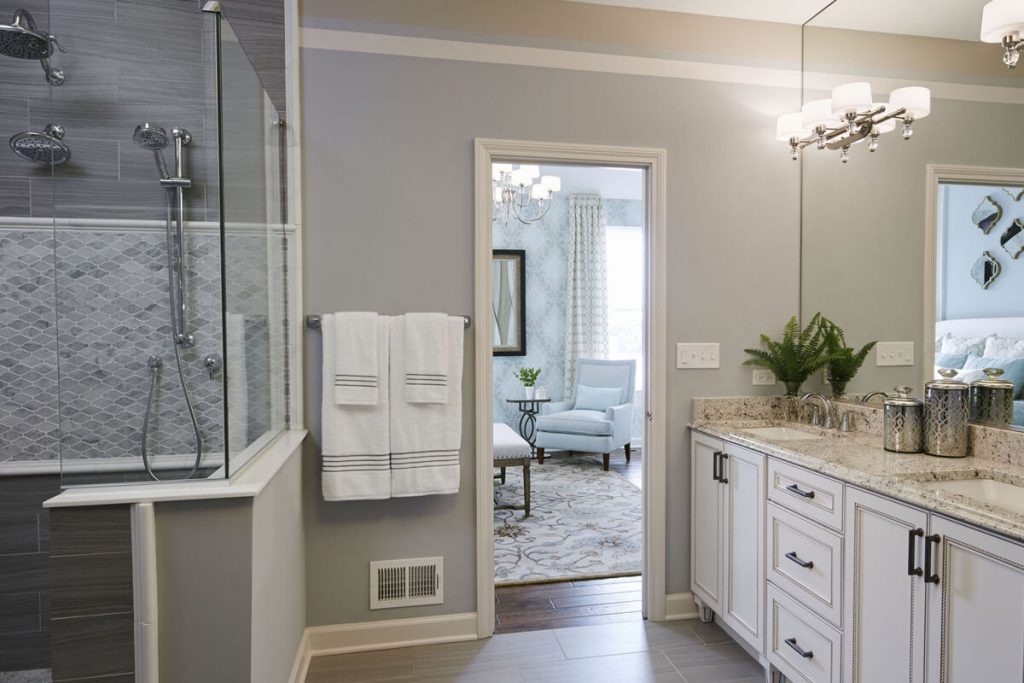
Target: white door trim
{"x":653,"y":161}
{"x":935,"y":175}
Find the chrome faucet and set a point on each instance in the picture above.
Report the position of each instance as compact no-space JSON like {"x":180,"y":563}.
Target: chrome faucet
{"x":828,"y":422}
{"x":868,"y":397}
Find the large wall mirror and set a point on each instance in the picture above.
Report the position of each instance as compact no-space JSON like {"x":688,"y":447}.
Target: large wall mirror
{"x":919,"y":240}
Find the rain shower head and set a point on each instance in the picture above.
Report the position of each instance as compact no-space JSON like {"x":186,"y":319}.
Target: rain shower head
{"x":42,"y":148}
{"x":154,"y":138}
{"x":22,"y":40}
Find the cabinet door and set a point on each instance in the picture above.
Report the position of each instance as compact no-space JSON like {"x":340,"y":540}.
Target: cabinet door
{"x":743,"y":480}
{"x":883,"y":612}
{"x":706,"y":523}
{"x":976,"y":610}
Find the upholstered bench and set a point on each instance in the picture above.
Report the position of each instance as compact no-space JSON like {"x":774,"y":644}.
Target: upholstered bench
{"x":512,"y":450}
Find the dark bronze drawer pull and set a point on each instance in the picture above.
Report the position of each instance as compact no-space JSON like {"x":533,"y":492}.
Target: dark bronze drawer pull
{"x":799,"y":650}
{"x":913,"y":534}
{"x":928,"y":576}
{"x":806,"y":564}
{"x":793,"y":488}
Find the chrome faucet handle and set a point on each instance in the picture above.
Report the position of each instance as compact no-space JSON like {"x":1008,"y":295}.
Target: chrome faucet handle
{"x":213,"y":364}
{"x":846,"y":421}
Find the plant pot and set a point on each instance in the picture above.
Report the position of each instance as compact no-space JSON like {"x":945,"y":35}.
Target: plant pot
{"x":793,"y":388}
{"x":838,"y":388}
{"x":530,"y":393}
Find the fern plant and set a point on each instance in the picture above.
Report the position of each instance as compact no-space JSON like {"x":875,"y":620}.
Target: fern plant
{"x":799,"y":354}
{"x":843,"y":362}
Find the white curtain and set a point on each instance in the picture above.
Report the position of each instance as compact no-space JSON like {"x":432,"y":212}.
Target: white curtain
{"x":586,"y":313}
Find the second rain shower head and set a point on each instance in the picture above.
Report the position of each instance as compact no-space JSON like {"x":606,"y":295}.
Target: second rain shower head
{"x":42,"y":148}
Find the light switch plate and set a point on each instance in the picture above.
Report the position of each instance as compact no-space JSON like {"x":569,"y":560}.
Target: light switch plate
{"x":694,"y":356}
{"x":764,"y":378}
{"x":894,"y":353}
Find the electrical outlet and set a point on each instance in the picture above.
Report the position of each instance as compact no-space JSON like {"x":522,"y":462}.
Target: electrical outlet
{"x":764,"y":378}
{"x":894,"y":353}
{"x":693,"y":356}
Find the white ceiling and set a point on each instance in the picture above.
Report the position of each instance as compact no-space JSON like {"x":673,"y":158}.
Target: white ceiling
{"x":957,"y":19}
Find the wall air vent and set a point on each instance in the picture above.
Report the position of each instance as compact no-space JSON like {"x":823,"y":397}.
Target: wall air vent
{"x":406,"y":583}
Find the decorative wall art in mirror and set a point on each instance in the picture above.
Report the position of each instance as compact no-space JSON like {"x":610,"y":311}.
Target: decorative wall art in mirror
{"x":889,"y":239}
{"x":985,"y":270}
{"x":508,"y":275}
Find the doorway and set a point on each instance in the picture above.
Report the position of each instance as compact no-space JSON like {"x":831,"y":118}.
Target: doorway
{"x":632,"y":324}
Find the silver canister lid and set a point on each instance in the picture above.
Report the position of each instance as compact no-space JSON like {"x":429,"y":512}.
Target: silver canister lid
{"x":992,"y":380}
{"x":948,"y":382}
{"x":902,"y":398}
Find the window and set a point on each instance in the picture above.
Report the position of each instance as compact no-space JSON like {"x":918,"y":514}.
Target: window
{"x":626,"y":296}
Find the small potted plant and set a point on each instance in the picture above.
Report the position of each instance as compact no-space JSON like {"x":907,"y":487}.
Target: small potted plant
{"x":843,"y":362}
{"x":528,"y":376}
{"x":799,"y":354}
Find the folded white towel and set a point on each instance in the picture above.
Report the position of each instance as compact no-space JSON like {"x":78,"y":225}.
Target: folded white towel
{"x":356,"y":441}
{"x":356,"y":379}
{"x":426,"y":357}
{"x":426,"y":437}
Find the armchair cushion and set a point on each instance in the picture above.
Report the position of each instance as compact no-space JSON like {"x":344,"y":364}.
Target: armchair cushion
{"x":597,"y":398}
{"x":589,"y":422}
{"x":555,"y":407}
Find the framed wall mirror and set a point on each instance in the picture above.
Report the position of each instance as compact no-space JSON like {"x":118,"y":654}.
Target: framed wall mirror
{"x":508,"y":301}
{"x":894,"y":240}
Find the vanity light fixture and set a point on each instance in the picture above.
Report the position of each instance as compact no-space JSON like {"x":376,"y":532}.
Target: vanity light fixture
{"x":851,"y":116}
{"x":516,"y":193}
{"x":1002,"y":21}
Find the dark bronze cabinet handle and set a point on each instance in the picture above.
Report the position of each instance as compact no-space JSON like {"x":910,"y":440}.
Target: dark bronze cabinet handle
{"x":928,"y":576}
{"x":716,"y":465}
{"x":793,"y":488}
{"x":806,"y":564}
{"x":911,"y":555}
{"x":799,"y":650}
{"x":721,"y":468}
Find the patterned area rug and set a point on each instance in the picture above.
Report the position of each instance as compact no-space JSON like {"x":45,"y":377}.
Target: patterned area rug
{"x":584,"y":523}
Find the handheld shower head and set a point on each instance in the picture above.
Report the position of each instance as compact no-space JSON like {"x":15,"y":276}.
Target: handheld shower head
{"x":154,"y":138}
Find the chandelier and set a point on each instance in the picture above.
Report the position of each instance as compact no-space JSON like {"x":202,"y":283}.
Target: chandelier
{"x":850,"y":116}
{"x":1002,"y":21}
{"x":516,"y":193}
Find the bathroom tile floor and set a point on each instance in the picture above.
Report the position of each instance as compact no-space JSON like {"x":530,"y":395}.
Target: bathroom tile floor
{"x":635,"y":651}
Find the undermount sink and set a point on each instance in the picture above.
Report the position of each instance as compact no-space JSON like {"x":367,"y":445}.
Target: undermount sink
{"x":985,"y":490}
{"x":782,"y":434}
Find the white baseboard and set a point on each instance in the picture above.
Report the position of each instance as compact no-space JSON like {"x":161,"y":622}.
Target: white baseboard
{"x":680,"y":606}
{"x":301,"y":665}
{"x":389,"y":633}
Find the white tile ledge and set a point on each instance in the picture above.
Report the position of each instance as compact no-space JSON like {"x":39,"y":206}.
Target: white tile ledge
{"x":249,"y":483}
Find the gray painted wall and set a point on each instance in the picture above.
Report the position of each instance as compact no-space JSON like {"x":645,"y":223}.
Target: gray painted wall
{"x":732,"y":256}
{"x":204,"y":568}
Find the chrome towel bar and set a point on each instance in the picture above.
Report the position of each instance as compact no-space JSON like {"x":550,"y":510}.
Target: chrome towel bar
{"x":313,"y":321}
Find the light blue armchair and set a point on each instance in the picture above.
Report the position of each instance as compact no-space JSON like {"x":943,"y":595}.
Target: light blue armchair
{"x":597,"y":420}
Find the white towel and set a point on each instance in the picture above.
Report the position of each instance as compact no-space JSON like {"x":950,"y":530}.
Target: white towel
{"x":426,"y":437}
{"x":356,"y":379}
{"x":356,"y":440}
{"x":426,"y":357}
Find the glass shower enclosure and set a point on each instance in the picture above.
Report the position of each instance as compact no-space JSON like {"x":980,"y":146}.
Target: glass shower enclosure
{"x":157,"y":227}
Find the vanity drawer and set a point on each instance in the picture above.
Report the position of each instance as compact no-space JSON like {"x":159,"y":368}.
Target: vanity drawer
{"x":806,"y":560}
{"x":800,"y":644}
{"x":812,"y":495}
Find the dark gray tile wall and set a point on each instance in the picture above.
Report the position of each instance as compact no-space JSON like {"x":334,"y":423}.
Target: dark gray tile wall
{"x":24,"y":575}
{"x":92,"y":617}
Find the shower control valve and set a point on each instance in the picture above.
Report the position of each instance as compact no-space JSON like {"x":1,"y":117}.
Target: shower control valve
{"x":213,"y":364}
{"x":186,"y":340}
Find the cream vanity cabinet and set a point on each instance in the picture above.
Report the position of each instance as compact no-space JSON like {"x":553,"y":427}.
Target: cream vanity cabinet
{"x":727,"y":552}
{"x":930,"y":599}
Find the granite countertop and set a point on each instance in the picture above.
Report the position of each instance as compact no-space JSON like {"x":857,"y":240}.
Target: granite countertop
{"x":859,"y":459}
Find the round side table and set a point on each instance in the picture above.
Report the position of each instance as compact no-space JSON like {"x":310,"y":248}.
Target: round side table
{"x":529,"y":407}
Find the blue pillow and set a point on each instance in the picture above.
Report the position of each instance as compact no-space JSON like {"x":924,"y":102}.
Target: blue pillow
{"x":950,"y":360}
{"x":1013,"y":369}
{"x":597,"y":398}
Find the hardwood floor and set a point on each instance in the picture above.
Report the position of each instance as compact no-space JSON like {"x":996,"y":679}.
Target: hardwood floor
{"x":571,"y":603}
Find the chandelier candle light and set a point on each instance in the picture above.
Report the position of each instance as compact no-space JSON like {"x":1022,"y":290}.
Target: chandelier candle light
{"x":1002,"y":21}
{"x":851,"y":116}
{"x":516,"y":193}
